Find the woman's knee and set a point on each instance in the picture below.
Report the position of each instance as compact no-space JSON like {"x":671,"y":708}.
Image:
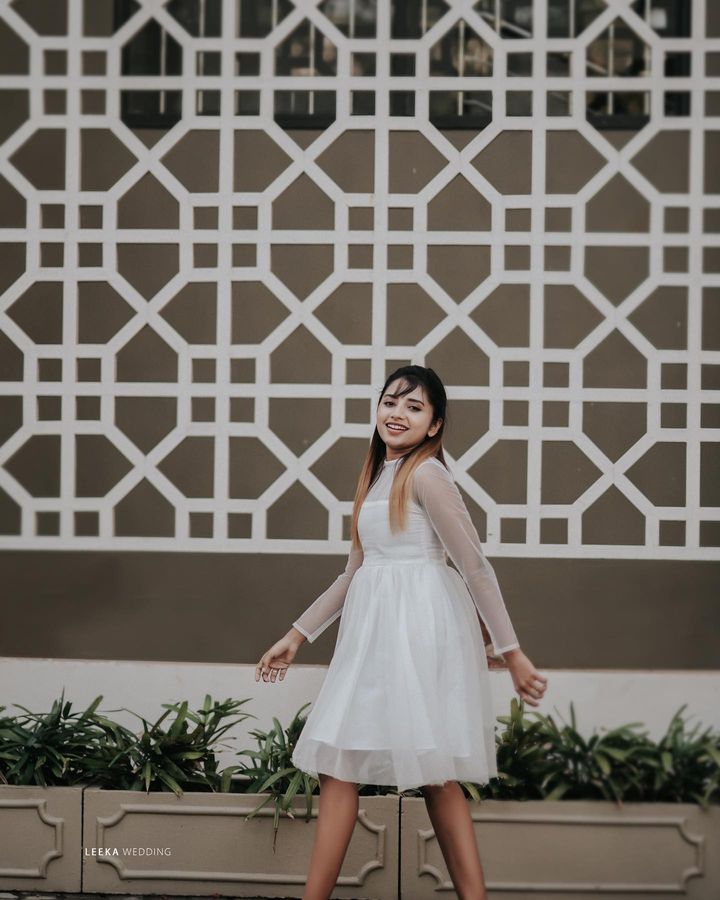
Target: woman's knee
{"x":432,"y":790}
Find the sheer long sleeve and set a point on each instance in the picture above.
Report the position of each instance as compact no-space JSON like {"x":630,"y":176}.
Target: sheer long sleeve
{"x":435,"y":490}
{"x":322,"y":612}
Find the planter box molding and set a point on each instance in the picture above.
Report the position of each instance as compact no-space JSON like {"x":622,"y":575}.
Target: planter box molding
{"x":573,"y":849}
{"x":40,"y":837}
{"x":91,"y":840}
{"x":216,"y":851}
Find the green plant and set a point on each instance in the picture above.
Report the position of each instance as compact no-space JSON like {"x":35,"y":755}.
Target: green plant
{"x":536,"y":757}
{"x":176,"y":757}
{"x":540,"y":760}
{"x":682,"y":766}
{"x":55,"y":748}
{"x":64,"y":748}
{"x":272,"y":770}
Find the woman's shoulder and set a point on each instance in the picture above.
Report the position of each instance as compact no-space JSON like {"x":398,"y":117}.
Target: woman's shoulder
{"x":430,"y":478}
{"x":433,"y":460}
{"x":432,"y":467}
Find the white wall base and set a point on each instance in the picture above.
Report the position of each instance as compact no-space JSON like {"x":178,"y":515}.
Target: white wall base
{"x":601,"y":697}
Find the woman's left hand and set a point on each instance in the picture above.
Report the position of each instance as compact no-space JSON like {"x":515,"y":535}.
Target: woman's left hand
{"x":528,"y":682}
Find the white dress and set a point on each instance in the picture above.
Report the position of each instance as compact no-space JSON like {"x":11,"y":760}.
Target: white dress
{"x":406,"y":699}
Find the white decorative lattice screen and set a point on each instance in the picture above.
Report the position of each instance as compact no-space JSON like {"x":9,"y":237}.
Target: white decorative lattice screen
{"x":196,"y":322}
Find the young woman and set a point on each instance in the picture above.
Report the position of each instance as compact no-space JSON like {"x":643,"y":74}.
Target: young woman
{"x":406,"y":699}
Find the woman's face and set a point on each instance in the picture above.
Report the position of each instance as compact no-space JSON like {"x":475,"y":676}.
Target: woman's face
{"x":412,"y":412}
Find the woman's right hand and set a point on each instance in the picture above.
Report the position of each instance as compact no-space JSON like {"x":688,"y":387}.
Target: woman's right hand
{"x":276,"y":660}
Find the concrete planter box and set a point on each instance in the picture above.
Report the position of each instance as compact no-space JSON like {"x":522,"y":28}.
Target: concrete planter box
{"x":40,"y":835}
{"x":564,"y":849}
{"x":573,"y":850}
{"x":213,"y":850}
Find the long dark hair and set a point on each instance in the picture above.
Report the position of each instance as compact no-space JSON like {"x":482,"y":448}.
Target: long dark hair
{"x":411,"y":377}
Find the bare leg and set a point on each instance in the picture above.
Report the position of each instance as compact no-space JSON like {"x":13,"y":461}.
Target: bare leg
{"x":337,"y":813}
{"x":450,"y":816}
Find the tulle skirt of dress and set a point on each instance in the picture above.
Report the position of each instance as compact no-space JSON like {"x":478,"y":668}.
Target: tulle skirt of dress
{"x":406,"y":699}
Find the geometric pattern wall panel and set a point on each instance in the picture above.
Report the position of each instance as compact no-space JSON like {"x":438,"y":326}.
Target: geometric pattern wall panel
{"x":208,"y":268}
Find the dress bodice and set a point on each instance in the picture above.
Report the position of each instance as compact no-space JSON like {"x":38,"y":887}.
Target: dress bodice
{"x":419,"y":543}
{"x":438,"y":525}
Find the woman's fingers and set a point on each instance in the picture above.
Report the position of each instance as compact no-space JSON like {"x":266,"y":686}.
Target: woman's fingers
{"x":277,"y":673}
{"x":534,"y":692}
{"x":269,"y":672}
{"x":533,"y":688}
{"x":259,"y":669}
{"x":530,"y":696}
{"x":263,"y":668}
